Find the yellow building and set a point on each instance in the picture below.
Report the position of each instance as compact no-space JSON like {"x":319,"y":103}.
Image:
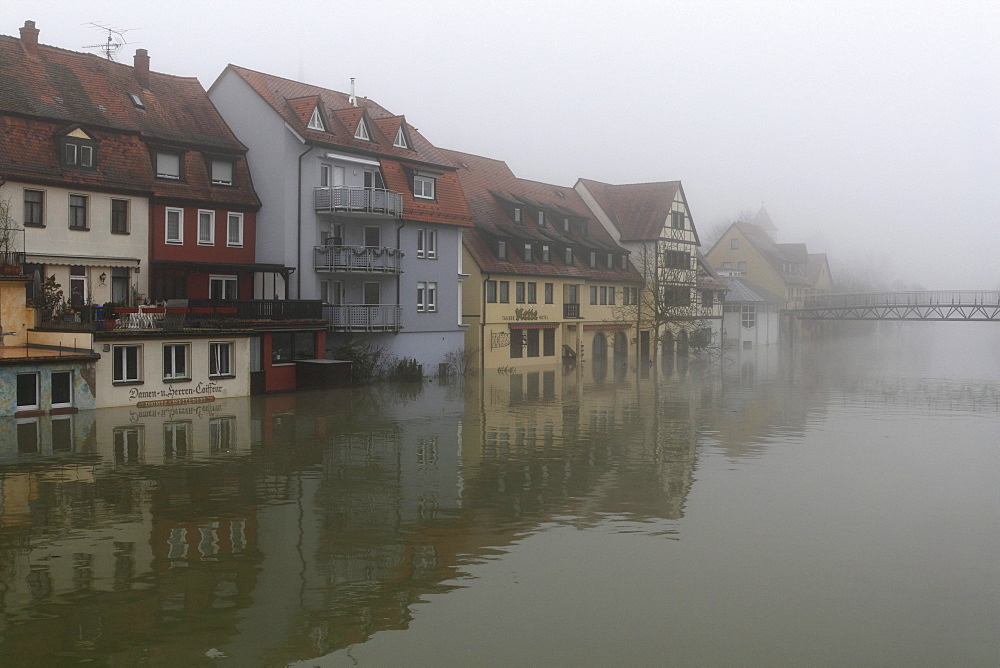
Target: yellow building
{"x":546,"y":282}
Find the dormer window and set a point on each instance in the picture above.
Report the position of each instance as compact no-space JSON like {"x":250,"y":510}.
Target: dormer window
{"x":545,"y":253}
{"x":624,"y":262}
{"x":423,"y":187}
{"x":541,"y":219}
{"x":593,"y":259}
{"x":222,"y":172}
{"x":527,"y":253}
{"x":502,"y":250}
{"x":569,"y":256}
{"x":168,"y":166}
{"x":611,"y":261}
{"x":316,"y":121}
{"x":362,"y":131}
{"x":400,"y":141}
{"x":517,"y":214}
{"x":78,"y":153}
{"x":565,"y":224}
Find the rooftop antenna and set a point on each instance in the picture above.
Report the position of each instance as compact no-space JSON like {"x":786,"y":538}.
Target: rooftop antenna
{"x":116,"y":39}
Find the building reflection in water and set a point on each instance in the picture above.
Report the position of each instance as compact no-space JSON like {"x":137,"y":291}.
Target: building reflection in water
{"x":286,"y":527}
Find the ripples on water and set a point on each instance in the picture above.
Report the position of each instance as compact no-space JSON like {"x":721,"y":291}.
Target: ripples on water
{"x":835,"y":504}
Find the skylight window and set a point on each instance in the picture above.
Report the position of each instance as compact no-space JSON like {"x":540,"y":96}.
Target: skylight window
{"x":400,"y":139}
{"x":362,"y":131}
{"x":137,"y":101}
{"x":316,"y":121}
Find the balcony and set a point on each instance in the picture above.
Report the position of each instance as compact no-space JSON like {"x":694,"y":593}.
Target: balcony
{"x":11,"y":263}
{"x":357,"y":259}
{"x":571,"y":311}
{"x":358,"y":200}
{"x":363,"y":317}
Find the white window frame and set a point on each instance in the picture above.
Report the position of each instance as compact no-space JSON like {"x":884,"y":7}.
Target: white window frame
{"x":172,"y":372}
{"x":748,"y":316}
{"x":237,"y":218}
{"x":423,"y":187}
{"x":38,"y":381}
{"x":541,"y":219}
{"x":501,"y":250}
{"x":216,"y":178}
{"x":427,"y":243}
{"x":316,"y":120}
{"x":163,"y":173}
{"x":179,"y":240}
{"x":52,"y":388}
{"x":136,"y":377}
{"x":517,"y":214}
{"x":226,"y":280}
{"x":86,"y":211}
{"x":211,"y":227}
{"x":219,"y":353}
{"x":32,"y":206}
{"x":426,"y":297}
{"x":400,"y":141}
{"x":734,"y":243}
{"x":362,"y":131}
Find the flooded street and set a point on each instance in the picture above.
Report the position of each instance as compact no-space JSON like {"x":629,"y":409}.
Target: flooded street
{"x":834,"y":504}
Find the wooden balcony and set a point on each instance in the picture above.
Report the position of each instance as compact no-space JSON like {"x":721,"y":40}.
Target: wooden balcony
{"x":357,"y":259}
{"x":363,"y":317}
{"x":358,"y":200}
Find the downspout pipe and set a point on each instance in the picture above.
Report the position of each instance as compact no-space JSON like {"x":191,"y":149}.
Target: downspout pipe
{"x":399,"y":249}
{"x":298,"y":233}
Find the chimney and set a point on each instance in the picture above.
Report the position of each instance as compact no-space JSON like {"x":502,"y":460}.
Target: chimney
{"x":29,"y":37}
{"x":353,"y":99}
{"x":141,"y":68}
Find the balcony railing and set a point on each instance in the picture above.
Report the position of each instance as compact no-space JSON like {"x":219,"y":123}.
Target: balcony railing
{"x":571,"y":311}
{"x":363,"y":317}
{"x":11,"y":263}
{"x":361,"y":259}
{"x":356,"y":199}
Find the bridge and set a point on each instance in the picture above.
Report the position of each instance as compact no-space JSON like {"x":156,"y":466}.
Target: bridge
{"x":944,"y":306}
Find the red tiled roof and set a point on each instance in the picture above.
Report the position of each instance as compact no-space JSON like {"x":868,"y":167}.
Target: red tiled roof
{"x":64,"y":87}
{"x":489,"y":183}
{"x":638,"y":210}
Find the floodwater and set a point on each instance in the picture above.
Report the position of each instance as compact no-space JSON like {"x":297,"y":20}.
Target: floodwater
{"x":834,"y":504}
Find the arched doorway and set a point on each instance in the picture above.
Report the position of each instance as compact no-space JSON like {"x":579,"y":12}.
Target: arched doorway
{"x":668,"y":344}
{"x":621,"y":349}
{"x":682,"y":343}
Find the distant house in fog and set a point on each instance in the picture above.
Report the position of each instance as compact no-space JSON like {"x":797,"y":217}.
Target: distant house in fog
{"x":751,"y":314}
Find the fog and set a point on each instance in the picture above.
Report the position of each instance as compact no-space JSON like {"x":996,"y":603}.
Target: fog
{"x":868,"y":130}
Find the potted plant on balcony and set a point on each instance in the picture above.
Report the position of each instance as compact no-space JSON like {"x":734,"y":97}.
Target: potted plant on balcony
{"x":49,"y":297}
{"x":109,"y":315}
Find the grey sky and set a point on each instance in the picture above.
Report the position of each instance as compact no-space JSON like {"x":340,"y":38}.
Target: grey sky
{"x":869,"y":130}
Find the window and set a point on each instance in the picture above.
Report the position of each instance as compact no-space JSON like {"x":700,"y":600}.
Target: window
{"x":519,"y":292}
{"x":427,"y":244}
{"x":119,"y":284}
{"x":174,"y":226}
{"x":708,"y":299}
{"x":168,"y":166}
{"x":175,"y":439}
{"x":423,"y":187}
{"x":426,"y":297}
{"x":676,"y":297}
{"x":331,"y":292}
{"x":635,"y":295}
{"x":372,"y":293}
{"x":624,"y":262}
{"x":137,"y":101}
{"x":175,"y":361}
{"x":626,"y":297}
{"x":362,"y":131}
{"x":504,"y":292}
{"x":734,"y":243}
{"x":676,"y":259}
{"x":222,"y":172}
{"x":593,"y":259}
{"x":549,"y":288}
{"x":119,"y":216}
{"x":517,"y":343}
{"x":221,"y":438}
{"x":593,"y":294}
{"x":532,"y":343}
{"x":548,"y":342}
{"x":316,"y":121}
{"x":545,"y":253}
{"x":34,"y":208}
{"x":287,"y":347}
{"x":27,"y":391}
{"x":373,"y":236}
{"x":78,"y":153}
{"x":234,"y":230}
{"x":502,"y":250}
{"x":127,"y":364}
{"x":527,"y":253}
{"x":748,"y":315}
{"x":569,"y":256}
{"x":220,"y":360}
{"x":604,"y":294}
{"x":206,"y":228}
{"x":62,"y":389}
{"x":532,"y":292}
{"x":565,"y":224}
{"x":77,"y":285}
{"x":541,"y":219}
{"x":742,"y":266}
{"x":727,"y":265}
{"x":222,"y":287}
{"x":517,"y":214}
{"x":677,"y":220}
{"x":611,"y":295}
{"x":491,"y":292}
{"x":611,"y":261}
{"x":400,"y":141}
{"x":126,"y":443}
{"x":78,"y":212}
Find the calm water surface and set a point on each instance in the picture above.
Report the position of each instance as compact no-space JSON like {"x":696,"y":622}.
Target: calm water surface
{"x":834,"y":505}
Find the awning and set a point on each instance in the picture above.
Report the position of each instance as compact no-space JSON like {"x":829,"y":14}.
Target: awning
{"x":227,"y":266}
{"x":330,"y":155}
{"x":81,"y":260}
{"x":533,"y":325}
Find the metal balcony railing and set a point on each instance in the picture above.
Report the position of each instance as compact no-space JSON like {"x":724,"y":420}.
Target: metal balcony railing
{"x":356,"y":199}
{"x":363,"y":317}
{"x":362,"y":259}
{"x":571,"y":311}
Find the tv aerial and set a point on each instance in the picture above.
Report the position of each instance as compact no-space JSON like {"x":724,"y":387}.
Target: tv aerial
{"x":116,"y":39}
